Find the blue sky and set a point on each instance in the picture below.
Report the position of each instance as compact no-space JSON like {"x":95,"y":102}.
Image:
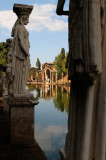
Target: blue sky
{"x":48,"y":33}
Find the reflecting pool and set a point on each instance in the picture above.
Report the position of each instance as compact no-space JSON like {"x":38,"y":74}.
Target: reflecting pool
{"x":51,"y":116}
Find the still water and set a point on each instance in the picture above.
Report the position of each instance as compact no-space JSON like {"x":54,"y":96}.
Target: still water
{"x":51,"y":116}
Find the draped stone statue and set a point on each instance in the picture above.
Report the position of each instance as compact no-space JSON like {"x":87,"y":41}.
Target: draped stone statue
{"x":86,"y":63}
{"x":19,"y":49}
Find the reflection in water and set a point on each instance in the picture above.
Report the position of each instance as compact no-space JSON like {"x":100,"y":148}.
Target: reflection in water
{"x":51,"y":118}
{"x":60,"y":95}
{"x":62,"y":100}
{"x":51,"y":139}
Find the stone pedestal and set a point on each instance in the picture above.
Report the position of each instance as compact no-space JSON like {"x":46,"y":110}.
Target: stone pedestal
{"x":22,"y":120}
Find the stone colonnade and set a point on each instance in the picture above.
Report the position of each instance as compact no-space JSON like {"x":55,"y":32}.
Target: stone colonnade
{"x":52,"y":72}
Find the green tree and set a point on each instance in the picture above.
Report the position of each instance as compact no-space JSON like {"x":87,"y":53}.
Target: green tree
{"x":33,"y":71}
{"x":59,"y":63}
{"x":3,"y":55}
{"x":38,"y":64}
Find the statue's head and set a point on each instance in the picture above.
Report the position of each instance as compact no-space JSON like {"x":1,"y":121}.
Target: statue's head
{"x":23,"y":19}
{"x":23,"y":12}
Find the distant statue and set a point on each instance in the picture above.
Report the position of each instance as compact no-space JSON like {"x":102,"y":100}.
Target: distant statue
{"x":20,"y":49}
{"x":8,"y":78}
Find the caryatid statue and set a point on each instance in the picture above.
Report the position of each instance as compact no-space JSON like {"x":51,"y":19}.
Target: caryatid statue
{"x":20,"y":49}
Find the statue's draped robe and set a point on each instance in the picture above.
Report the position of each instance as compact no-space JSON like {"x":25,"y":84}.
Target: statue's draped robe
{"x":21,"y":64}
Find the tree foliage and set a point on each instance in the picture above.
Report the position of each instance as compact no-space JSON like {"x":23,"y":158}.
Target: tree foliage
{"x":59,"y":63}
{"x":33,"y":71}
{"x":38,"y":64}
{"x":3,"y":54}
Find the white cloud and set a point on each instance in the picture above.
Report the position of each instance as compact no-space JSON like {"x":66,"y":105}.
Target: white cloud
{"x":45,"y":136}
{"x":42,"y":17}
{"x":7,"y":19}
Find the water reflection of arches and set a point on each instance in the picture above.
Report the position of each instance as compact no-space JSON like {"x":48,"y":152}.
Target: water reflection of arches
{"x":49,"y":91}
{"x":60,"y":94}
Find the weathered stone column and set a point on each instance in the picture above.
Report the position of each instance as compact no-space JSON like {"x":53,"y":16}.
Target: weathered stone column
{"x":86,"y":62}
{"x":45,"y":74}
{"x":100,"y":151}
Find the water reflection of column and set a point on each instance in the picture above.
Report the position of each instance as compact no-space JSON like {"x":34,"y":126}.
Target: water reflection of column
{"x":56,"y":91}
{"x":62,"y":90}
{"x":43,"y":91}
{"x":43,"y":76}
{"x":50,"y":76}
{"x":36,"y":91}
{"x":50,"y":90}
{"x":56,"y":77}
